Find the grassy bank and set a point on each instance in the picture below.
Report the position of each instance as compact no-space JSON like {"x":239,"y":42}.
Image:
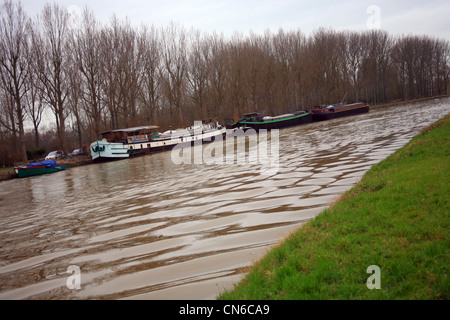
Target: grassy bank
{"x":397,"y":218}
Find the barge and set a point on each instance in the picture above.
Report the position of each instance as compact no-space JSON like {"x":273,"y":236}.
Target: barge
{"x":325,"y":112}
{"x":123,"y":143}
{"x":256,"y":121}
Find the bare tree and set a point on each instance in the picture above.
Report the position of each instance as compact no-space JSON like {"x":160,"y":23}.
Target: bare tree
{"x":149,"y":94}
{"x":75,"y":104}
{"x":443,"y":66}
{"x":173,"y":76}
{"x":355,"y":55}
{"x":218,"y":72}
{"x":108,"y":42}
{"x":87,"y":60}
{"x":14,"y":68}
{"x":122,"y":72}
{"x":323,"y":59}
{"x":198,"y":63}
{"x":236,"y":76}
{"x":53,"y":59}
{"x":8,"y":121}
{"x":34,"y":98}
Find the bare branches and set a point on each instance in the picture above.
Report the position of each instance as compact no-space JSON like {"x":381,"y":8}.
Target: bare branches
{"x":87,"y":63}
{"x":14,"y":72}
{"x":149,"y":94}
{"x":173,"y":76}
{"x":52,"y":43}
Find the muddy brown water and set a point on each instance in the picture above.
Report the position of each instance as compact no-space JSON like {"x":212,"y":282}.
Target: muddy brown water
{"x":146,"y":228}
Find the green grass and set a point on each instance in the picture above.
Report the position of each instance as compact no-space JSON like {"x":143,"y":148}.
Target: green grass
{"x":397,"y":218}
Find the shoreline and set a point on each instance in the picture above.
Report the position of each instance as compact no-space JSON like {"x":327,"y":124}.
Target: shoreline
{"x":8,"y":173}
{"x":401,"y":102}
{"x":394,"y":219}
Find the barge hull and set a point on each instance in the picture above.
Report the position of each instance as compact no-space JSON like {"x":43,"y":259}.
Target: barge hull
{"x":269,"y":125}
{"x":340,"y":114}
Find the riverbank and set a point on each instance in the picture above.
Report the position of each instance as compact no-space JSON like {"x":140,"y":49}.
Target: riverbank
{"x":402,"y":102}
{"x":396,"y":218}
{"x":8,"y":173}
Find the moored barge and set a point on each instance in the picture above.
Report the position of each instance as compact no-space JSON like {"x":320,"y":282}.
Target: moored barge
{"x":325,"y":112}
{"x":123,"y":143}
{"x":256,"y":121}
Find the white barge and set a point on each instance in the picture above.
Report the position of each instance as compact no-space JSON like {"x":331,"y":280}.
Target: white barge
{"x":123,"y":143}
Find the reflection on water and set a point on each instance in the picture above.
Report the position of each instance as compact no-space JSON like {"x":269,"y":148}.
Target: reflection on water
{"x":144,"y":228}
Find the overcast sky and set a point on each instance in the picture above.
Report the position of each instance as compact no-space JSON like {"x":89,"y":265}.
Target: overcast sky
{"x":431,"y":17}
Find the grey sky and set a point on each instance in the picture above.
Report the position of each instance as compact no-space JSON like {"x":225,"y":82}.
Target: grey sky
{"x":227,"y":16}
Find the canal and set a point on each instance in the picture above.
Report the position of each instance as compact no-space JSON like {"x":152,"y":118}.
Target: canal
{"x":147,"y":228}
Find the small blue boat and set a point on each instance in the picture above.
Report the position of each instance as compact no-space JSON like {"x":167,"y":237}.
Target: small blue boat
{"x":42,"y":167}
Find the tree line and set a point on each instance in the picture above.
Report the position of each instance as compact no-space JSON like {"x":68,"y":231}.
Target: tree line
{"x":95,"y":77}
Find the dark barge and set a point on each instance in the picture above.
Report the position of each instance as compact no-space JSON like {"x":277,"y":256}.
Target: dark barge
{"x":321,"y":113}
{"x":256,"y":121}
